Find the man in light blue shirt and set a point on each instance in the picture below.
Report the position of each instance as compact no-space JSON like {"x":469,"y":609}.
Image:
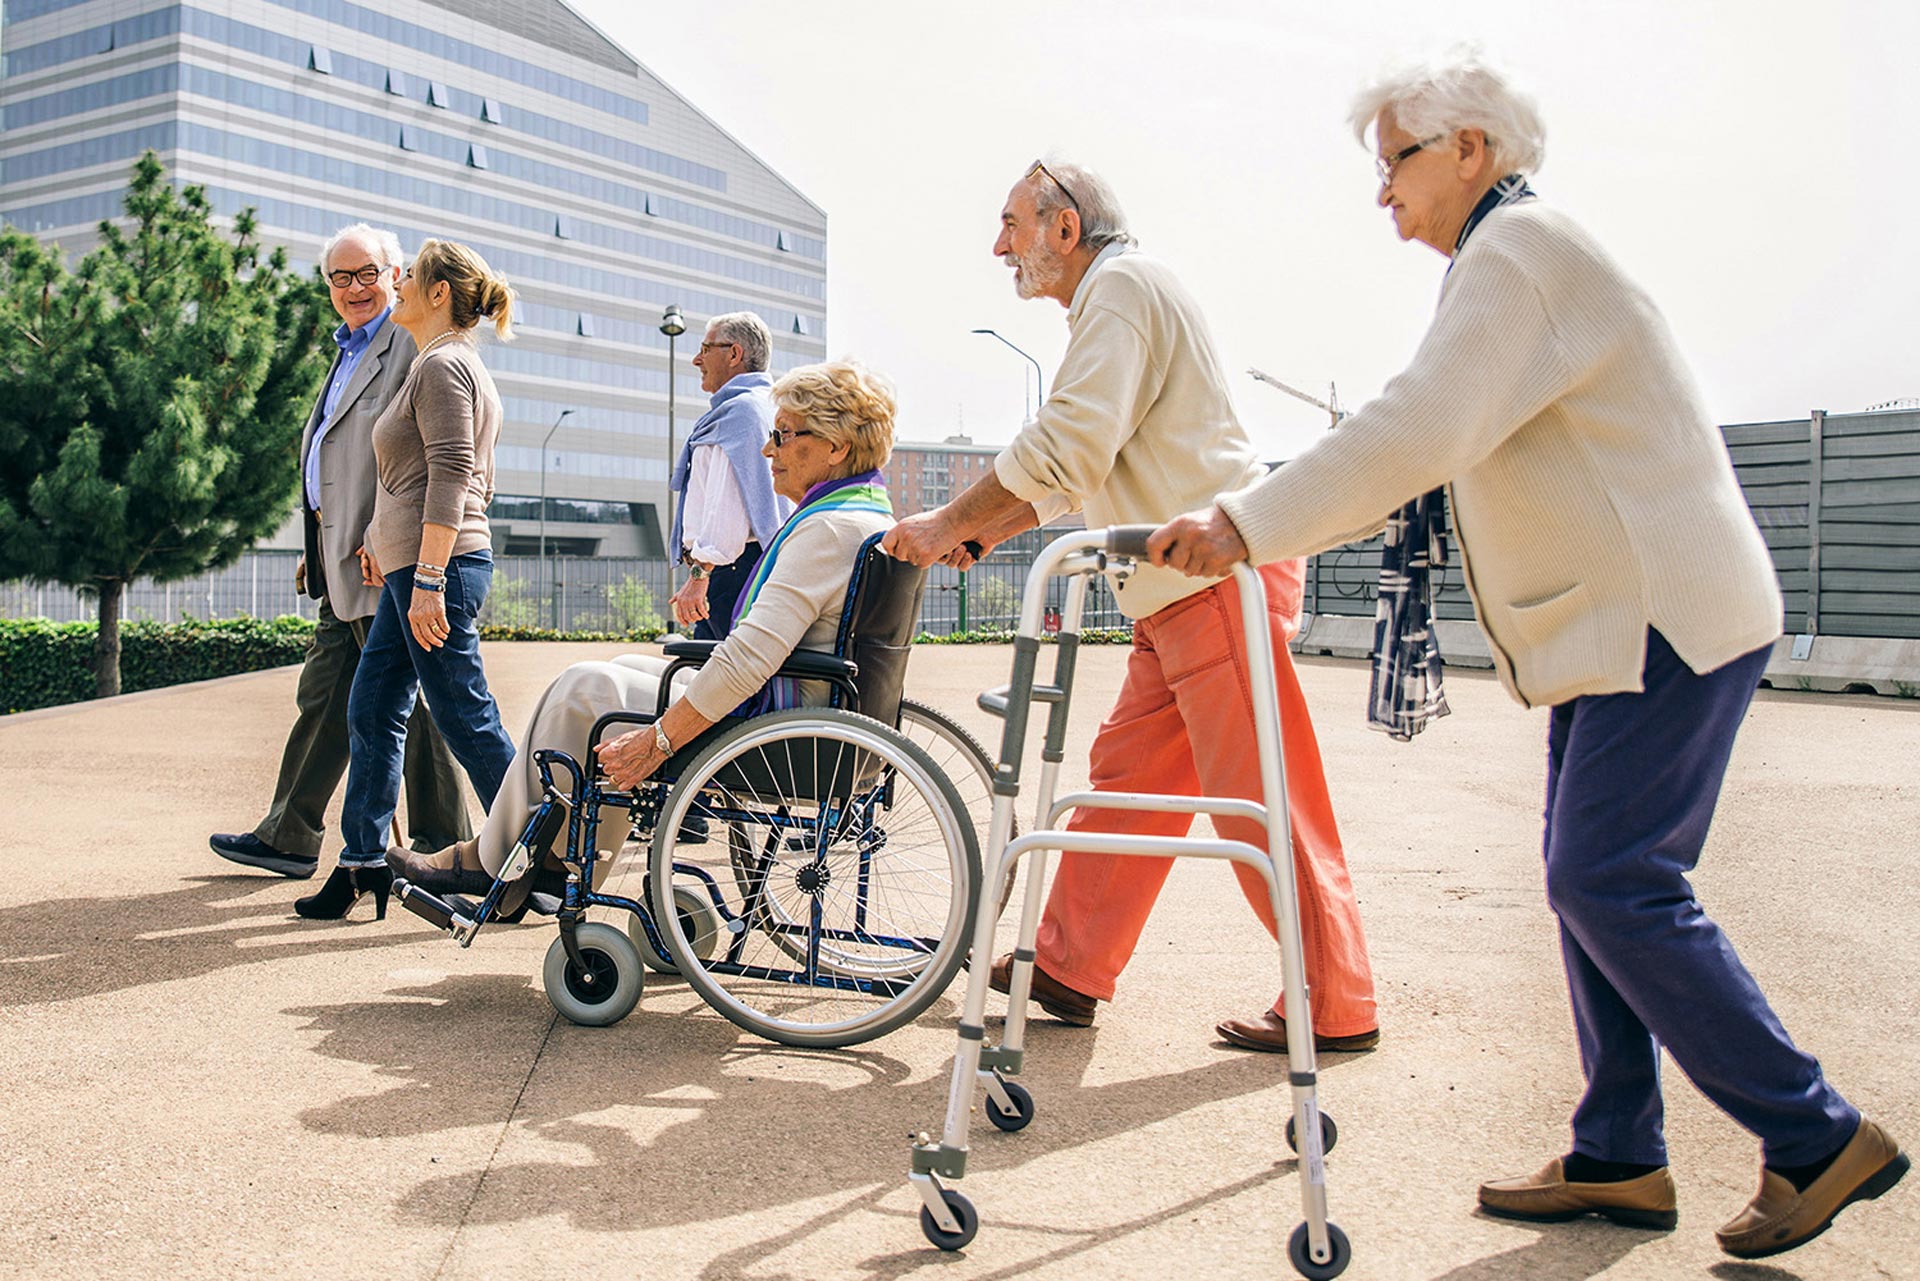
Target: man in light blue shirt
{"x":362,"y":267}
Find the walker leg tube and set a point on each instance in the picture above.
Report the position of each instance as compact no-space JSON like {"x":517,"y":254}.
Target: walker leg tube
{"x":1302,"y":1070}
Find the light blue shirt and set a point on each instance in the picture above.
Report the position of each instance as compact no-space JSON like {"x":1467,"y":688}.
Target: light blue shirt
{"x":353,"y":345}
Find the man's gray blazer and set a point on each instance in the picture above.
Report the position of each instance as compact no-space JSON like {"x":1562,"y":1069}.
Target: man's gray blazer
{"x":347,"y":474}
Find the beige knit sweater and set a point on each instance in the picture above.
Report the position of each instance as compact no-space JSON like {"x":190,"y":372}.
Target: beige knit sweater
{"x":1139,"y":426}
{"x":798,"y":608}
{"x":1591,"y":492}
{"x":434,"y":446}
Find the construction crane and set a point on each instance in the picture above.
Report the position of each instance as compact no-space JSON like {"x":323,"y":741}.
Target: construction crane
{"x":1331,"y":404}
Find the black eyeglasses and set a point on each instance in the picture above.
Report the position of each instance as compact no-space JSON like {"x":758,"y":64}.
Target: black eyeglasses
{"x":1385,"y":165}
{"x":779,"y":436}
{"x":1040,"y":167}
{"x":709,"y":346}
{"x":366,"y":275}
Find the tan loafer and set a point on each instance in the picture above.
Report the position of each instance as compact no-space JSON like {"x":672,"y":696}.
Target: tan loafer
{"x":1781,"y":1217}
{"x":1267,"y":1032}
{"x":1547,"y":1197}
{"x":1051,"y":995}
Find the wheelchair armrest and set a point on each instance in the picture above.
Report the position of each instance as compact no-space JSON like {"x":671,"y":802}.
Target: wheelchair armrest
{"x":810,"y":664}
{"x":690,"y":652}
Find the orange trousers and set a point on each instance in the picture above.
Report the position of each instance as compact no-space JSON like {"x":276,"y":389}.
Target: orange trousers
{"x":1183,"y":725}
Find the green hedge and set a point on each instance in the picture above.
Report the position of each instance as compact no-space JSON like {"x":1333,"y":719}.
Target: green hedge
{"x":44,"y":664}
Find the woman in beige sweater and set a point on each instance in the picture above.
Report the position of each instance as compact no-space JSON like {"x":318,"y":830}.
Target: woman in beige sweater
{"x":833,"y":432}
{"x":1621,"y":581}
{"x":428,"y":548}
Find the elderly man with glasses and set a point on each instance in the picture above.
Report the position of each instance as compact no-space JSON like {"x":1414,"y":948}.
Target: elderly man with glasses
{"x":1139,"y":424}
{"x":727,"y":510}
{"x":362,"y":266}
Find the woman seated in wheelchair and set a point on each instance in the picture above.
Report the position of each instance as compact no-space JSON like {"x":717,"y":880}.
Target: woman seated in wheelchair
{"x":833,"y":432}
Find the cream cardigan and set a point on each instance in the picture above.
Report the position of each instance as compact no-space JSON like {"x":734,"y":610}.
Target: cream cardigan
{"x":1139,"y":426}
{"x":1592,"y":494}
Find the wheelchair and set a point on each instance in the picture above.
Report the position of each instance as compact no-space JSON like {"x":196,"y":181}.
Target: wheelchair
{"x":811,"y":872}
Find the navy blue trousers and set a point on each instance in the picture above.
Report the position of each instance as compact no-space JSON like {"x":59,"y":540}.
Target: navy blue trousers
{"x":392,"y":668}
{"x":724,"y":586}
{"x":1632,"y":780}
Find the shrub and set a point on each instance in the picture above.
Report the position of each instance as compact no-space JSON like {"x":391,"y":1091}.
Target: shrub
{"x":44,"y":664}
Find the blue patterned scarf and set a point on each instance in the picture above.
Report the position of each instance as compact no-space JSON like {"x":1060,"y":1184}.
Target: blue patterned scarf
{"x":1406,"y":691}
{"x":866,"y":492}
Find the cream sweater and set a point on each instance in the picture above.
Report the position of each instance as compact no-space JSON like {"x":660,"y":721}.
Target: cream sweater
{"x":1139,"y":427}
{"x":799,"y":608}
{"x":1592,"y":494}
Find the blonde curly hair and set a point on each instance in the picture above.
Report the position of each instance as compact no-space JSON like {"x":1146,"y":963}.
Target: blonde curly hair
{"x":846,"y":404}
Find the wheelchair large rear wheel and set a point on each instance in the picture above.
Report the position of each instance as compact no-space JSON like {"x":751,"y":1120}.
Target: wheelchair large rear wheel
{"x":966,"y":764}
{"x":846,"y":886}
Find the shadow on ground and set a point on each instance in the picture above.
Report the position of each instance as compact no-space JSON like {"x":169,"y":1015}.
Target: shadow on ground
{"x":65,"y":949}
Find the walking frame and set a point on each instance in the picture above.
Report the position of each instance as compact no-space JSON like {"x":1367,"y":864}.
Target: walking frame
{"x":1318,"y":1249}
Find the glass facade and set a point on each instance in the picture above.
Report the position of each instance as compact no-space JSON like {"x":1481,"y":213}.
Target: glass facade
{"x":591,"y":185}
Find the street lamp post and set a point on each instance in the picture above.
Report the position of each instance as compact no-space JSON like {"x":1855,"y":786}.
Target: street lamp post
{"x":672,"y":325}
{"x":1039,"y":379}
{"x":545,"y":569}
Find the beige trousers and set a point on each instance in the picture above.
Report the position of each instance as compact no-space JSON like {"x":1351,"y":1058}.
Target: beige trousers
{"x":562,"y":720}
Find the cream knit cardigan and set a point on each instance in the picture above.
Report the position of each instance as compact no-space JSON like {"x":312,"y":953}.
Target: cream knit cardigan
{"x":1592,"y":494}
{"x":1139,"y":426}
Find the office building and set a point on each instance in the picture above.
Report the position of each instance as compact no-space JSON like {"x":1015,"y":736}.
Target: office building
{"x":512,"y":125}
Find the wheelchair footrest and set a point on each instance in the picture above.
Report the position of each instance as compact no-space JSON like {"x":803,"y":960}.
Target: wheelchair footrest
{"x":544,"y":904}
{"x":428,"y":907}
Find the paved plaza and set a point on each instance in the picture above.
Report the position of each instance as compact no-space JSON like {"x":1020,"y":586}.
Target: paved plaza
{"x":198,"y":1084}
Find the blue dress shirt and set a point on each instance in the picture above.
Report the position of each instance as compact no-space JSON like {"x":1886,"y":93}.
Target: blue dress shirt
{"x":353,"y":345}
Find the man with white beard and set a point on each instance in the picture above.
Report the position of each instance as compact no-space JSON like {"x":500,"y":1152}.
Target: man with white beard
{"x":1140,"y":428}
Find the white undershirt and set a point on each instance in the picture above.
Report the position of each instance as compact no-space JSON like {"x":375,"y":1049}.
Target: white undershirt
{"x":715,"y":528}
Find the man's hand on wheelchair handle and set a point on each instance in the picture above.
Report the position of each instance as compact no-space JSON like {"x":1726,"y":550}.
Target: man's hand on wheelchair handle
{"x":921,"y":540}
{"x":1203,"y":544}
{"x":631,"y":759}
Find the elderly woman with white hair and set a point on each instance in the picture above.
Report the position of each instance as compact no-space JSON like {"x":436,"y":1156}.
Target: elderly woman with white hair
{"x":1621,"y":581}
{"x":832,"y":434}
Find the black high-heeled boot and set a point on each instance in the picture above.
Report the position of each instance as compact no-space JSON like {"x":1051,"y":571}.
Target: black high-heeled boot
{"x":343,"y":889}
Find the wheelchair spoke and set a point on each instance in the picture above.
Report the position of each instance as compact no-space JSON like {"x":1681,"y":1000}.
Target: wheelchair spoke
{"x":847,"y":869}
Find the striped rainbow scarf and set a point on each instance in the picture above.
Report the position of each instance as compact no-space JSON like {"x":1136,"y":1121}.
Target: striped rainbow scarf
{"x":866,"y":492}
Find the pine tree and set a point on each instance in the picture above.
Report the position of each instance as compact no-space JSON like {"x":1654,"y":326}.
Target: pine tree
{"x":151,"y":400}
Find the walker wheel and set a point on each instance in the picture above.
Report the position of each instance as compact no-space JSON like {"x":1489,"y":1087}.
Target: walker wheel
{"x":1339,"y":1254}
{"x":962,"y":1210}
{"x":1022,"y":1108}
{"x":1329,"y":1134}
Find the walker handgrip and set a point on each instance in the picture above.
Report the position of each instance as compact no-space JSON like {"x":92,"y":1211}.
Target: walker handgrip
{"x":1129,"y":540}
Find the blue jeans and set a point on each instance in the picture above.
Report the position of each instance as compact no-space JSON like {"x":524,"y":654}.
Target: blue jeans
{"x":1632,"y":780}
{"x":392,"y":667}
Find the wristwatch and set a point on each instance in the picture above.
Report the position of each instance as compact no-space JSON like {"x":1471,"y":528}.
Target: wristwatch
{"x":660,"y":740}
{"x":696,"y":570}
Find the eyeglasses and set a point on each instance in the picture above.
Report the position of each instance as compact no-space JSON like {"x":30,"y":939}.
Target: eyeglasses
{"x":1040,"y":167}
{"x":1385,"y":165}
{"x":779,"y":436}
{"x":366,"y":275}
{"x":709,"y":346}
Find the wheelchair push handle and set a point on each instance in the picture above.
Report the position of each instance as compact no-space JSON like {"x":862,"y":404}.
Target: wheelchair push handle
{"x":1129,"y":540}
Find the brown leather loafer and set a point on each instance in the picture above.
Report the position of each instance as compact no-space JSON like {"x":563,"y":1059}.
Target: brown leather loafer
{"x":1267,"y":1032}
{"x":1781,"y":1217}
{"x":453,"y":870}
{"x":1051,"y":995}
{"x":1547,"y":1197}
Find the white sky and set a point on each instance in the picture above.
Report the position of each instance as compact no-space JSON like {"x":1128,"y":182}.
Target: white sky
{"x":1753,"y":165}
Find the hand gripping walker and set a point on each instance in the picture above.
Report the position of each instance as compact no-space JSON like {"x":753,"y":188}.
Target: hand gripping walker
{"x":1317,"y":1248}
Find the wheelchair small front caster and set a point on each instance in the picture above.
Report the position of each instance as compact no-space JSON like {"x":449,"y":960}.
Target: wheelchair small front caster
{"x":1022,"y":1108}
{"x":962,"y":1210}
{"x":1339,"y":1254}
{"x":1329,"y":1134}
{"x":607,"y":989}
{"x":700,"y":925}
